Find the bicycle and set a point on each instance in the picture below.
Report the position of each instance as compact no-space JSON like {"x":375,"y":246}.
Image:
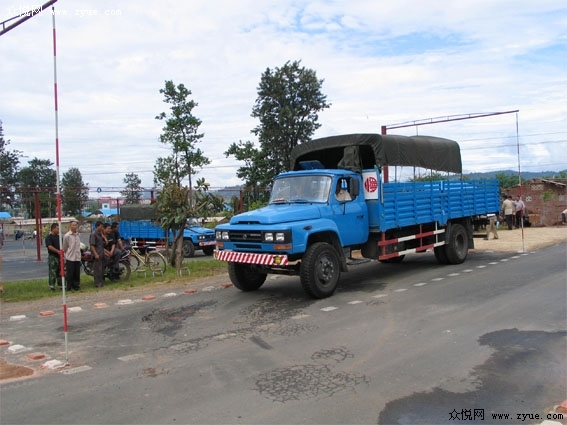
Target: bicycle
{"x":154,"y":260}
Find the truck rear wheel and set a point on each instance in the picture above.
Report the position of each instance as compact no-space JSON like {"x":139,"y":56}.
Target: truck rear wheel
{"x":188,"y":249}
{"x":457,"y":246}
{"x":440,"y":254}
{"x":242,"y":276}
{"x":320,"y":270}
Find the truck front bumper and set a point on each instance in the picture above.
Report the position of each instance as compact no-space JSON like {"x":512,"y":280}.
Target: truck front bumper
{"x":207,"y":243}
{"x":251,"y":258}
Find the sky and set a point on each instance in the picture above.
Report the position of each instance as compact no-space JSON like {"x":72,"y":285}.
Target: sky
{"x":382,"y":63}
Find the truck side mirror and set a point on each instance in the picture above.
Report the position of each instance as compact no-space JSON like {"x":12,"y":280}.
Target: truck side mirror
{"x":354,"y":188}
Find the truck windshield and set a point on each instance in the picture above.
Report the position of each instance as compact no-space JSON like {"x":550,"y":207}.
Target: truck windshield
{"x":299,"y":189}
{"x":193,"y":222}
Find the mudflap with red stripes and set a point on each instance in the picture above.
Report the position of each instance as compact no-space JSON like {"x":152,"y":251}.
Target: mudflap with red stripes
{"x":252,"y":258}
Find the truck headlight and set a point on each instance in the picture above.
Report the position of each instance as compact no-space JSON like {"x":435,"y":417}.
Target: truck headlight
{"x":221,"y":235}
{"x":276,"y":237}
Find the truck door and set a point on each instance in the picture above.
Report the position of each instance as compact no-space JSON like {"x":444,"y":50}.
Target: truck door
{"x":350,"y":212}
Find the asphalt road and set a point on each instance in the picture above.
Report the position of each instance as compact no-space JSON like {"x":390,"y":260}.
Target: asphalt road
{"x":410,"y":343}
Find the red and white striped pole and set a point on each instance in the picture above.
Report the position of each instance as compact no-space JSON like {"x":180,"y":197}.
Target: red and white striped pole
{"x":520,"y":184}
{"x":61,"y":256}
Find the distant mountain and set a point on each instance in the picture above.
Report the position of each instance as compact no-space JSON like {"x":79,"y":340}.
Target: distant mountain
{"x":526,"y":175}
{"x":227,"y":193}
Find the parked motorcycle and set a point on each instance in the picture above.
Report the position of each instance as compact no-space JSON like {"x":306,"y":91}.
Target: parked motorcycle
{"x":124,"y":269}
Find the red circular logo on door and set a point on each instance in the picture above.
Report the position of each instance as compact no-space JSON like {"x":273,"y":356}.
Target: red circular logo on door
{"x":371,"y":184}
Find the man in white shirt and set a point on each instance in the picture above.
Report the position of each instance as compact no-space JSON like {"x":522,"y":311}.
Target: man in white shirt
{"x":519,"y":208}
{"x":72,"y":250}
{"x":508,"y":211}
{"x":491,"y":226}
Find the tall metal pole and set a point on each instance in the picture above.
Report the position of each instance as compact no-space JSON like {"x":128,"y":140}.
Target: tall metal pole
{"x":438,"y":120}
{"x":61,"y":256}
{"x":520,"y":182}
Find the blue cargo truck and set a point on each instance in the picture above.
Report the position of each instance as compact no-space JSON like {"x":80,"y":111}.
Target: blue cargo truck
{"x":144,"y":233}
{"x":337,"y":199}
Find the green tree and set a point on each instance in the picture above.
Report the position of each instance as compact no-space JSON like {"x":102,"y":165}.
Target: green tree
{"x":173,"y":209}
{"x":506,"y":181}
{"x":289,"y":100}
{"x":175,"y":202}
{"x":181,"y":134}
{"x":38,"y":176}
{"x":207,"y":204}
{"x":9,"y":166}
{"x":132,"y":191}
{"x":74,"y":193}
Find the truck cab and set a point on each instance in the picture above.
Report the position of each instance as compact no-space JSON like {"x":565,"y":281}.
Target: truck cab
{"x":302,"y":206}
{"x":196,"y":236}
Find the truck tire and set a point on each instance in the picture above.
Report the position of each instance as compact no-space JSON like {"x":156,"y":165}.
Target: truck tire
{"x":208,"y":250}
{"x":320,"y":270}
{"x":457,"y":246}
{"x":188,"y":249}
{"x":440,"y":254}
{"x":242,"y":276}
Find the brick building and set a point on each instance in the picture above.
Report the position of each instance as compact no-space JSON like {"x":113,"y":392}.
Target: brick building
{"x":544,"y":199}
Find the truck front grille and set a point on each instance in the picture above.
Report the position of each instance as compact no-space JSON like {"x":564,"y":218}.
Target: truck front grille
{"x":240,"y":236}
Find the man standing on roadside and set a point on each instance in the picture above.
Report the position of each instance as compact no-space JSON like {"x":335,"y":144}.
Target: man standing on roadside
{"x":491,"y":226}
{"x":519,"y":208}
{"x":53,"y":259}
{"x":72,"y":249}
{"x":97,"y":243}
{"x":508,"y":211}
{"x":118,"y":247}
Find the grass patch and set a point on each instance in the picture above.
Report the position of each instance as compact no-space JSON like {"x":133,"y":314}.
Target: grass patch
{"x":34,"y":289}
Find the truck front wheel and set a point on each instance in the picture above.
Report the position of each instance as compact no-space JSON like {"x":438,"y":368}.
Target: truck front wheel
{"x":320,"y":270}
{"x":208,"y":250}
{"x":242,"y":276}
{"x":188,"y":249}
{"x":457,"y":247}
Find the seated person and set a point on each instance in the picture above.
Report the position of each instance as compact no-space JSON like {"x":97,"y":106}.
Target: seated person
{"x":342,"y":193}
{"x":110,"y":248}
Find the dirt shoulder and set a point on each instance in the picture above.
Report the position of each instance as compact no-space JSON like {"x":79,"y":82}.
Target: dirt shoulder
{"x":516,"y":240}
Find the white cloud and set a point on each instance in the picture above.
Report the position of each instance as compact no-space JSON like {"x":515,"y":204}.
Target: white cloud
{"x":382,"y":64}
